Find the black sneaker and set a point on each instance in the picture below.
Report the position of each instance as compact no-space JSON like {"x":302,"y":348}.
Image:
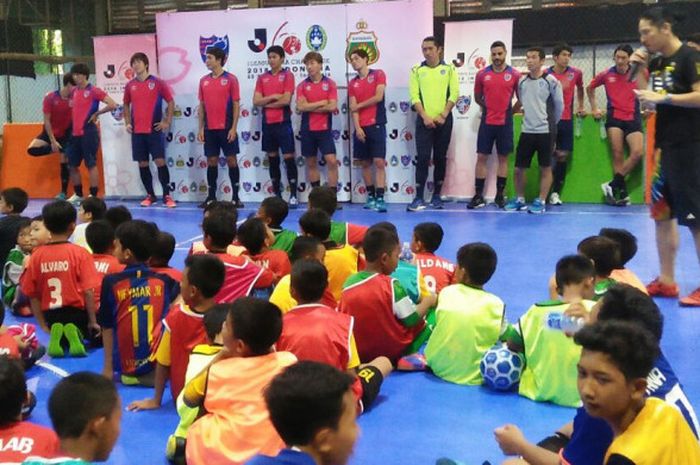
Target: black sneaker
{"x":500,"y":201}
{"x":623,"y":198}
{"x":206,"y":202}
{"x":476,"y":202}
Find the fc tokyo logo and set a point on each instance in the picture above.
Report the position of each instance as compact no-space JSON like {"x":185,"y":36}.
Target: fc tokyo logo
{"x":212,"y":41}
{"x":224,"y":82}
{"x":316,"y":38}
{"x":151,"y":85}
{"x":463,"y":104}
{"x":507,"y":77}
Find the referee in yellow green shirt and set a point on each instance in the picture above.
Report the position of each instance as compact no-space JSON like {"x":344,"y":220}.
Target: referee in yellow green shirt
{"x":434,"y":88}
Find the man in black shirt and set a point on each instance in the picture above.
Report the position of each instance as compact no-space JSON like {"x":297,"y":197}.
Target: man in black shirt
{"x":674,"y":81}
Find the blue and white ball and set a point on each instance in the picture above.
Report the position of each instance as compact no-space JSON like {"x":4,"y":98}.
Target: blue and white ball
{"x":501,"y":368}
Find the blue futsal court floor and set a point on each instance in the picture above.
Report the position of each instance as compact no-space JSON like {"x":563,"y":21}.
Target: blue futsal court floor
{"x":419,"y":418}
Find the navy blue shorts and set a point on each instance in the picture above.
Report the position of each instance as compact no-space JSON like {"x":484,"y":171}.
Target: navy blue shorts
{"x":215,"y":142}
{"x":278,"y":136}
{"x":374,"y":145}
{"x":501,"y":135}
{"x":61,"y":140}
{"x":84,"y":148}
{"x":628,"y":127}
{"x":314,"y":141}
{"x":143,"y":145}
{"x":565,"y":135}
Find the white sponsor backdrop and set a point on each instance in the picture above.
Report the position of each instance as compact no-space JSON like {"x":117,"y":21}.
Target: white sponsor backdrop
{"x":112,"y":73}
{"x":246,"y":34}
{"x":467,"y":44}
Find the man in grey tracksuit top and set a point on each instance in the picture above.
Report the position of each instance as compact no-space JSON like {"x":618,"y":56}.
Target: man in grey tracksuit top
{"x":543,"y":103}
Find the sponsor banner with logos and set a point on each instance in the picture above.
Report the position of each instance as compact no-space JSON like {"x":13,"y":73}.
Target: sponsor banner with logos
{"x":245,"y":35}
{"x":112,"y":73}
{"x":467,"y":45}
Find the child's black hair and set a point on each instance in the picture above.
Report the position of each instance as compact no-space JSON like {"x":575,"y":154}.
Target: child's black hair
{"x":221,"y":206}
{"x":256,"y":322}
{"x":303,"y":247}
{"x":626,"y":303}
{"x":221,"y":228}
{"x":100,"y":236}
{"x":163,"y":248}
{"x":305,"y":398}
{"x":252,"y":234}
{"x":325,"y":198}
{"x":79,"y":399}
{"x":276,"y":210}
{"x":214,"y":320}
{"x":15,"y":197}
{"x":206,"y":272}
{"x":13,"y":389}
{"x":22,"y":223}
{"x":625,"y":240}
{"x":573,"y":269}
{"x":604,"y":252}
{"x":479,"y":260}
{"x":628,"y":345}
{"x":58,"y":216}
{"x":378,"y":241}
{"x":96,"y":206}
{"x":430,"y":235}
{"x":139,"y":236}
{"x":309,"y":280}
{"x":317,"y":223}
{"x":118,"y":215}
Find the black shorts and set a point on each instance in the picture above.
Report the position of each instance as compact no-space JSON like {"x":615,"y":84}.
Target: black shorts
{"x":531,"y":143}
{"x":314,"y":141}
{"x":66,"y":315}
{"x":374,"y":145}
{"x":565,"y":135}
{"x":680,"y":189}
{"x":84,"y":148}
{"x":371,"y":379}
{"x":143,"y":145}
{"x":216,"y":141}
{"x":501,"y":135}
{"x":61,"y":140}
{"x":278,"y":136}
{"x":628,"y":127}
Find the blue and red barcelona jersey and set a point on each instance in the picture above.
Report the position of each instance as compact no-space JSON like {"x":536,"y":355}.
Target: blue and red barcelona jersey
{"x":497,"y":90}
{"x":570,"y":79}
{"x":85,"y":103}
{"x":364,"y":89}
{"x":271,"y":84}
{"x":146,"y":99}
{"x":218,"y":94}
{"x":133,"y":303}
{"x":59,"y":111}
{"x":325,"y":89}
{"x":622,"y":101}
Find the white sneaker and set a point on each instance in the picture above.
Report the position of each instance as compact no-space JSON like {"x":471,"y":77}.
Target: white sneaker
{"x":75,"y":199}
{"x":554,"y":199}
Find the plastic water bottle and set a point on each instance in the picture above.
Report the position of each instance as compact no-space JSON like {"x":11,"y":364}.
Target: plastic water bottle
{"x":406,"y":254}
{"x":578,"y":122}
{"x":603,"y":131}
{"x":560,"y":322}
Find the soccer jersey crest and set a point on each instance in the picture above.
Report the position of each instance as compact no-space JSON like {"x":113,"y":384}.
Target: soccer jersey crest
{"x":363,"y":39}
{"x":151,"y":85}
{"x":507,"y":77}
{"x":224,"y":82}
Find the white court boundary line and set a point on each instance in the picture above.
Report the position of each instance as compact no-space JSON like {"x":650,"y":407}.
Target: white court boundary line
{"x":58,"y":371}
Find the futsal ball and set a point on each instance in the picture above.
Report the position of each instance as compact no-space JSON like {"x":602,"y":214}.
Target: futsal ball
{"x":501,"y":368}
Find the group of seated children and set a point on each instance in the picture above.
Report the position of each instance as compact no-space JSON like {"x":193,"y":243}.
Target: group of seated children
{"x":258,"y":309}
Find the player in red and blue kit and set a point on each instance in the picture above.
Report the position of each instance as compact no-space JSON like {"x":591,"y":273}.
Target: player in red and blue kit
{"x":56,"y":132}
{"x":494,"y":88}
{"x":624,"y":122}
{"x":85,"y":140}
{"x":144,"y":120}
{"x":273,"y":92}
{"x":219,"y":107}
{"x":571,"y":79}
{"x":366,"y":91}
{"x":317,"y":99}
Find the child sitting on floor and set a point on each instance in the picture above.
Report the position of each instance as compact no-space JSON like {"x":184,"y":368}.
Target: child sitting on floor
{"x":325,"y":198}
{"x":163,"y":251}
{"x":13,"y":267}
{"x":91,"y":209}
{"x":628,"y":249}
{"x":605,"y":254}
{"x":273,"y":211}
{"x":216,"y":207}
{"x":437,"y":272}
{"x":256,"y":237}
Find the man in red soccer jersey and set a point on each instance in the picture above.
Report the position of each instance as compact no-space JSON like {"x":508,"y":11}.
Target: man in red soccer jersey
{"x":366,"y":92}
{"x":571,"y":79}
{"x":144,"y":120}
{"x":317,"y":99}
{"x":56,"y":133}
{"x":85,"y":140}
{"x":624,"y":122}
{"x":273,"y":92}
{"x":219,"y":107}
{"x":493,"y":92}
